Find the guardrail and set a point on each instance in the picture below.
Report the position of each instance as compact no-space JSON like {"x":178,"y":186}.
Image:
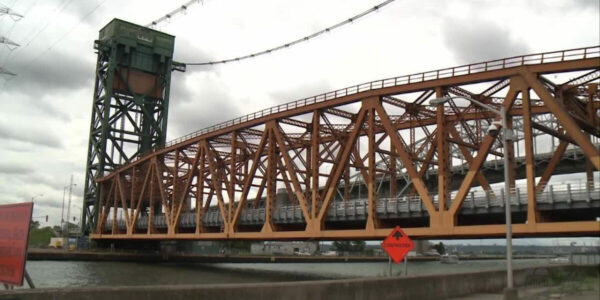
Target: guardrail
{"x":493,"y":65}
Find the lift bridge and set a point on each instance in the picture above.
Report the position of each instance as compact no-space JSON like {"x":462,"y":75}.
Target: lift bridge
{"x":354,"y":163}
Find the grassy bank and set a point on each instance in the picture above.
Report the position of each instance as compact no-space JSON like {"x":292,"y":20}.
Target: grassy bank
{"x":40,"y":237}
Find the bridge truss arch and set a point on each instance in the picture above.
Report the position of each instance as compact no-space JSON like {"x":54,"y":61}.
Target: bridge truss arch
{"x":353,"y":163}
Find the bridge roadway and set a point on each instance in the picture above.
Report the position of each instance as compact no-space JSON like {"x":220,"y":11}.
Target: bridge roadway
{"x":312,"y":147}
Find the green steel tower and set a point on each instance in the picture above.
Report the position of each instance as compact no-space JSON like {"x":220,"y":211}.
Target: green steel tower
{"x":130,"y":105}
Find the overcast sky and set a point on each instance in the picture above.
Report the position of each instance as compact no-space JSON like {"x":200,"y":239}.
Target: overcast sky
{"x":45,"y":110}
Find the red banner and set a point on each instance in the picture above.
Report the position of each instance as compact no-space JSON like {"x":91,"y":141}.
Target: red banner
{"x":14,"y":233}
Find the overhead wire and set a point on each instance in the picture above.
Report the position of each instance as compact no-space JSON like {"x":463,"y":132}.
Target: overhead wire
{"x":167,"y":17}
{"x":68,"y":32}
{"x":24,"y":13}
{"x":10,"y":45}
{"x":295,"y":42}
{"x":57,"y":11}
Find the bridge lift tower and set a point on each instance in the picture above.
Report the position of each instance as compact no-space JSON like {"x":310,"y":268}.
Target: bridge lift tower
{"x":130,"y":104}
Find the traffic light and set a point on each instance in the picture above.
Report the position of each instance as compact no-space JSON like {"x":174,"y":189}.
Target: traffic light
{"x":46,"y":218}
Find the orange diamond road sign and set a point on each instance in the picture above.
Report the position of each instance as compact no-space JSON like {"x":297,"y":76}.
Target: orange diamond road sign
{"x":14,"y":231}
{"x":397,"y":244}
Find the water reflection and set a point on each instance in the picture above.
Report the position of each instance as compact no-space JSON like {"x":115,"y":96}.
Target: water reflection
{"x":87,"y":273}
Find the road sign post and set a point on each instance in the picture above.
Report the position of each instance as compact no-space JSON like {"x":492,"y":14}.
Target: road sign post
{"x":14,"y":234}
{"x":397,"y":245}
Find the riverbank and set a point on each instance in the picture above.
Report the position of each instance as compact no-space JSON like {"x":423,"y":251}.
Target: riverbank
{"x":76,"y":255}
{"x":69,"y":273}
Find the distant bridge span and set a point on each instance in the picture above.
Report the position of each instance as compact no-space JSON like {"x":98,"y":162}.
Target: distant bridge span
{"x":373,"y":147}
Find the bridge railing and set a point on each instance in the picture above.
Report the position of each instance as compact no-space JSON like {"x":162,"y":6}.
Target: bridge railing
{"x":477,"y":200}
{"x":498,"y":64}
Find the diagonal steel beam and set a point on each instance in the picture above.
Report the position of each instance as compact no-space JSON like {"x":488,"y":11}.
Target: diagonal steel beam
{"x":341,"y":160}
{"x":408,"y":165}
{"x":563,"y":117}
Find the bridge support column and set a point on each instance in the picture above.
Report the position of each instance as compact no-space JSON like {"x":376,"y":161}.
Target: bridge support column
{"x":444,"y":162}
{"x":510,"y":152}
{"x":271,"y":180}
{"x":532,"y":213}
{"x":369,"y":104}
{"x":393,"y":183}
{"x":314,"y":163}
{"x":200,"y":193}
{"x":593,"y":118}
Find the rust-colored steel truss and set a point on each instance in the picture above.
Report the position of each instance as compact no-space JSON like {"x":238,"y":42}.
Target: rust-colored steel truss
{"x":374,"y":142}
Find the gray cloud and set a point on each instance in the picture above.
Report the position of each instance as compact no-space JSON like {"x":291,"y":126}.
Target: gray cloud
{"x":476,"y":40}
{"x":209,"y":107}
{"x":52,"y":204}
{"x":19,"y":100}
{"x":588,"y":4}
{"x":82,"y":8}
{"x":300,"y":92}
{"x":14,"y":169}
{"x":52,"y":72}
{"x":29,"y":135}
{"x":192,"y":109}
{"x":186,"y":52}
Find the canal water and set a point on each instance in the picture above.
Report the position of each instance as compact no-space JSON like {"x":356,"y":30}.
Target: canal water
{"x":87,"y":273}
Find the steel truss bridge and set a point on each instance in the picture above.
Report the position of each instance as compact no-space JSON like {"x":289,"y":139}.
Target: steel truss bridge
{"x":352,"y":163}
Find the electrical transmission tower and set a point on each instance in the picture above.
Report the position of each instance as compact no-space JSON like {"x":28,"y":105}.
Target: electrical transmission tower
{"x":4,"y":10}
{"x":8,"y":42}
{"x":6,"y":72}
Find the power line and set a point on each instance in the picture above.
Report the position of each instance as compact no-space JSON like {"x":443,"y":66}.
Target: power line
{"x":68,"y":32}
{"x":180,"y":10}
{"x":11,"y":45}
{"x":295,"y":42}
{"x":57,"y":12}
{"x":5,"y":10}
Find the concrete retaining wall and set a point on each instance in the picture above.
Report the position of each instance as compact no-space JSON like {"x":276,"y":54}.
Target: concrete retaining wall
{"x":419,"y":287}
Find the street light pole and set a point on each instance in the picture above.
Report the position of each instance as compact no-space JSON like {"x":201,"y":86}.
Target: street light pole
{"x":33,"y":197}
{"x":506,"y":135}
{"x":62,"y":212}
{"x":68,"y":214}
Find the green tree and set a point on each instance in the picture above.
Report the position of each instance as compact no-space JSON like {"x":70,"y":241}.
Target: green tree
{"x":349,"y":246}
{"x":359,"y":246}
{"x":342,"y":246}
{"x":34,"y":225}
{"x":440,"y":248}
